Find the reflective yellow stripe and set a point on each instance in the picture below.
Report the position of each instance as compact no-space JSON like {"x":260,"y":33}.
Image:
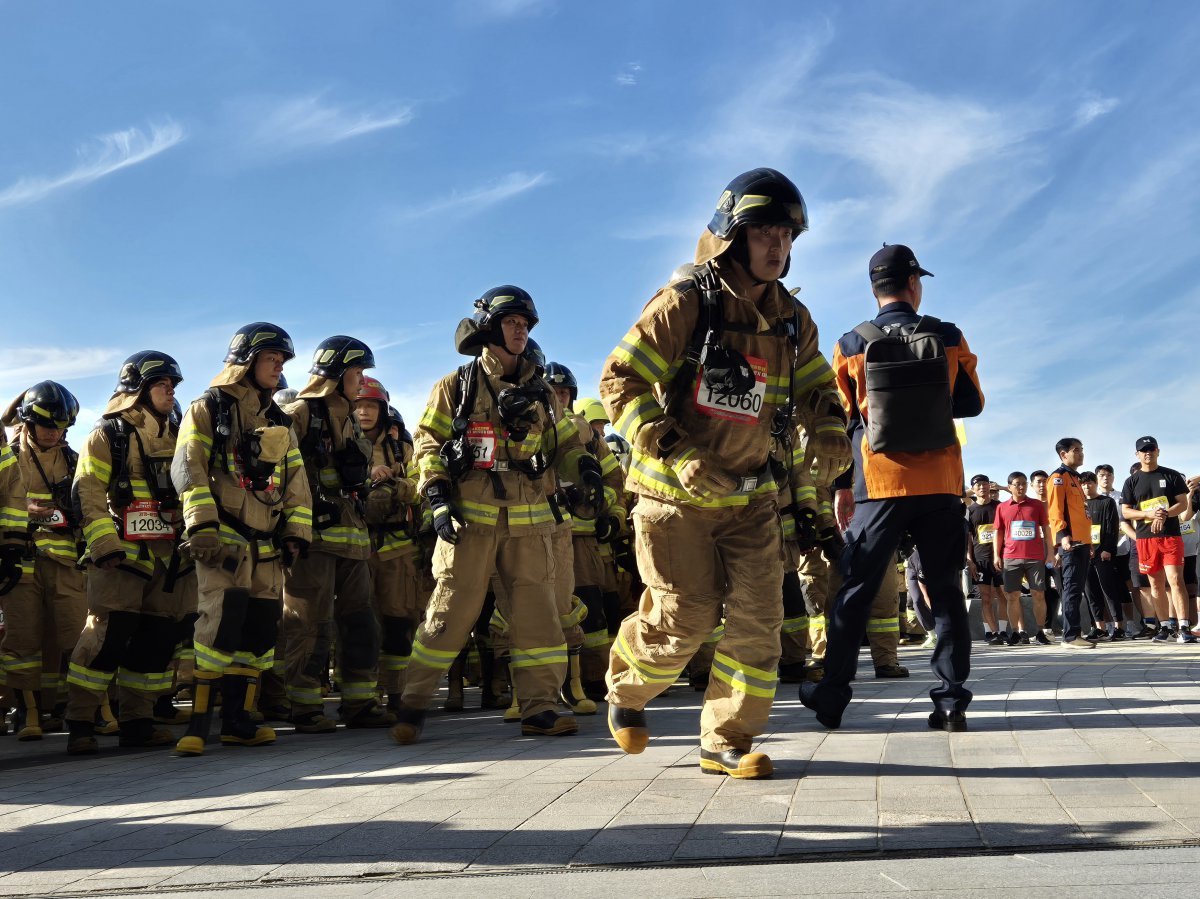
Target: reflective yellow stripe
{"x":658,"y":478}
{"x":392,"y":663}
{"x":537,"y":655}
{"x":717,"y":633}
{"x":530,"y":515}
{"x":641,"y":410}
{"x":432,"y":658}
{"x":813,"y":373}
{"x":744,"y":678}
{"x":357,"y":691}
{"x":89,"y":678}
{"x":647,"y":673}
{"x":478,"y":513}
{"x":151,"y":682}
{"x":90,"y":466}
{"x":883,"y":625}
{"x":305,"y":695}
{"x":795,"y":625}
{"x":595,"y":639}
{"x":641,"y":357}
{"x":436,"y":423}
{"x":189,"y":434}
{"x":343,"y":536}
{"x":210,"y":659}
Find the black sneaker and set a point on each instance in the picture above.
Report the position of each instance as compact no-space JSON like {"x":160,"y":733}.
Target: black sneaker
{"x":989,"y":638}
{"x":999,"y":639}
{"x":1024,"y":641}
{"x":1014,"y":638}
{"x":951,"y":722}
{"x":1096,"y":634}
{"x":1146,"y":633}
{"x":1163,"y":636}
{"x":1118,"y":634}
{"x":1041,"y":637}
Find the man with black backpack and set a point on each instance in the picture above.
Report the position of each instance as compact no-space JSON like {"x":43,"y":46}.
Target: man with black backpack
{"x":904,"y":378}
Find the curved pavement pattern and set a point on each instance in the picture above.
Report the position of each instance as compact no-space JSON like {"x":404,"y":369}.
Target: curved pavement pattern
{"x":1068,"y":750}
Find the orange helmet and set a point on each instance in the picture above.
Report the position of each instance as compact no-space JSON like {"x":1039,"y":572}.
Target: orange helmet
{"x":371,"y":389}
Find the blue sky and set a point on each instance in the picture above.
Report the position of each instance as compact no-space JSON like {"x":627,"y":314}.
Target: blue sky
{"x":170,"y":171}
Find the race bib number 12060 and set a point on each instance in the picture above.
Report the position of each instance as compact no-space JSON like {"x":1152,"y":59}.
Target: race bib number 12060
{"x":743,"y":409}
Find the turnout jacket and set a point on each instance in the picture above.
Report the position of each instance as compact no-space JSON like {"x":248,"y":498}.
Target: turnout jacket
{"x":391,"y":515}
{"x":482,"y":493}
{"x":14,"y":516}
{"x":610,"y":470}
{"x":1066,"y":508}
{"x":52,"y":537}
{"x":212,"y":486}
{"x":640,"y":372}
{"x":103,"y":523}
{"x":348,"y":538}
{"x":883,"y":475}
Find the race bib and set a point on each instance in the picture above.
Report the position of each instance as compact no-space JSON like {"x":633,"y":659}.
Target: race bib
{"x":743,"y":409}
{"x":986,"y":532}
{"x":1187,"y":527}
{"x":53,"y":519}
{"x":1020,"y":531}
{"x":1095,"y":533}
{"x":143,"y":521}
{"x":481,"y":437}
{"x":1158,"y":502}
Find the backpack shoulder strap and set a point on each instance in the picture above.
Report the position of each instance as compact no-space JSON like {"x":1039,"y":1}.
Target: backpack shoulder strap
{"x":120,"y":489}
{"x":926,"y":324}
{"x":465,"y":391}
{"x":869,"y":331}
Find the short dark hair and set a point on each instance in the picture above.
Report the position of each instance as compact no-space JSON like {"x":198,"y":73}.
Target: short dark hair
{"x":1038,"y":474}
{"x":889,"y":287}
{"x":1104,"y":466}
{"x":1067,"y":444}
{"x":1087,"y":477}
{"x":1013,"y":475}
{"x":1136,"y":466}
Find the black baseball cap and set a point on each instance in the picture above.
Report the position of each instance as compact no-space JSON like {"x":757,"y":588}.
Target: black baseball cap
{"x":980,"y":478}
{"x":894,"y":261}
{"x":1145,"y":443}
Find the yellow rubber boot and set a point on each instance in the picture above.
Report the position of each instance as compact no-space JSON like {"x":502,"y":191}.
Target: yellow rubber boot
{"x":513,"y":712}
{"x":192,"y":743}
{"x":110,"y":725}
{"x":27,"y":720}
{"x":572,"y":688}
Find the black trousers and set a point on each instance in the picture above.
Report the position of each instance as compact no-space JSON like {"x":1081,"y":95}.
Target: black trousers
{"x":1075,"y":564}
{"x":1103,"y":591}
{"x":935,"y":524}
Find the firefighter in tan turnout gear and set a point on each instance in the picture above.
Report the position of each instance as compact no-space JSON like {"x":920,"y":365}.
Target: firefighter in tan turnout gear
{"x":139,"y":590}
{"x":333,"y":580}
{"x":247,"y":511}
{"x":716,"y":367}
{"x":488,"y":437}
{"x":392,"y":520}
{"x":48,"y":604}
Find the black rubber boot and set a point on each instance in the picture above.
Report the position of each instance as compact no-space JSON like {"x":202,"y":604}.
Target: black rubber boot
{"x":238,"y":724}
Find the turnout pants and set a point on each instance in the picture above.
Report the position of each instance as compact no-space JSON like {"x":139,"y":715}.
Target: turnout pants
{"x":564,"y":584}
{"x":794,"y":638}
{"x":524,"y":563}
{"x":935,"y":523}
{"x":399,"y":605}
{"x":238,"y":609}
{"x":814,"y":579}
{"x":131,"y":631}
{"x":316,"y":589}
{"x":590,"y":577}
{"x":47,"y":607}
{"x":696,"y":563}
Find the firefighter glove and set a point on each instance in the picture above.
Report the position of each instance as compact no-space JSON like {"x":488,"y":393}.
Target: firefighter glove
{"x":205,"y":547}
{"x":806,"y":529}
{"x":446,"y":518}
{"x":831,"y":454}
{"x":10,"y":567}
{"x":592,"y":481}
{"x":832,"y":545}
{"x":700,"y":477}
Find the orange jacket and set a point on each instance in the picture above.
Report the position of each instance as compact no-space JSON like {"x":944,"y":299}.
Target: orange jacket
{"x":883,"y":475}
{"x":1066,"y":507}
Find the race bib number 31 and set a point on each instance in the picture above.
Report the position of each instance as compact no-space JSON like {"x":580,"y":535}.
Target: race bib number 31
{"x":743,"y":409}
{"x":144,"y":522}
{"x":481,"y":437}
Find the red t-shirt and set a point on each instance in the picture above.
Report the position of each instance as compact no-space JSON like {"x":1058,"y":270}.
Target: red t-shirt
{"x":1019,"y":523}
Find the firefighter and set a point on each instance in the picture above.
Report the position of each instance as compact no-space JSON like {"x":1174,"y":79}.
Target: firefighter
{"x":719,"y":364}
{"x":247,"y":513}
{"x":392,"y":520}
{"x":333,"y":579}
{"x":48,"y":605}
{"x":137,"y":598}
{"x":14,"y":523}
{"x":487,"y":440}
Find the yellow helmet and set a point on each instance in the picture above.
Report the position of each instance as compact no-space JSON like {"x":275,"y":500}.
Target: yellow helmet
{"x":591,"y":409}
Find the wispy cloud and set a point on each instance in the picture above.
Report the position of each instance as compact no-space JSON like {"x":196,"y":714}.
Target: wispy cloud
{"x":1091,"y":109}
{"x":480,"y":198}
{"x":482,"y":10}
{"x":28,"y":365}
{"x":312,"y":121}
{"x":105,"y":155}
{"x":628,"y":76}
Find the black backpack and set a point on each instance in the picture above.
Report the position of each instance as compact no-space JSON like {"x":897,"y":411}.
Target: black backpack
{"x":909,"y":404}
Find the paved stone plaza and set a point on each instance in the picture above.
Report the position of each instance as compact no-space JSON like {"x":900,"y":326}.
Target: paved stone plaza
{"x":1068,"y":750}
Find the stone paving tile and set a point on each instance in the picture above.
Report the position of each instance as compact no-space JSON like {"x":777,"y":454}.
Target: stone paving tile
{"x":1061,"y":751}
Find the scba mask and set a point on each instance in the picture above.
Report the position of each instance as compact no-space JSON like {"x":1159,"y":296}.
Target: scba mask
{"x":726,"y":372}
{"x":518,"y":407}
{"x":261,"y":451}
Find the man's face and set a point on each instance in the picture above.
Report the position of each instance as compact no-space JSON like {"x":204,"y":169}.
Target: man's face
{"x":367,"y":413}
{"x":515,"y":329}
{"x":564,"y":396}
{"x":352,"y":379}
{"x":982,"y":491}
{"x":1104,"y":480}
{"x":1019,"y":487}
{"x":597,"y":428}
{"x":1073,"y":457}
{"x":1039,"y":487}
{"x":1090,"y":490}
{"x":268,"y":366}
{"x":161,"y":394}
{"x":47,"y":437}
{"x":1149,"y":458}
{"x":768,"y":247}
